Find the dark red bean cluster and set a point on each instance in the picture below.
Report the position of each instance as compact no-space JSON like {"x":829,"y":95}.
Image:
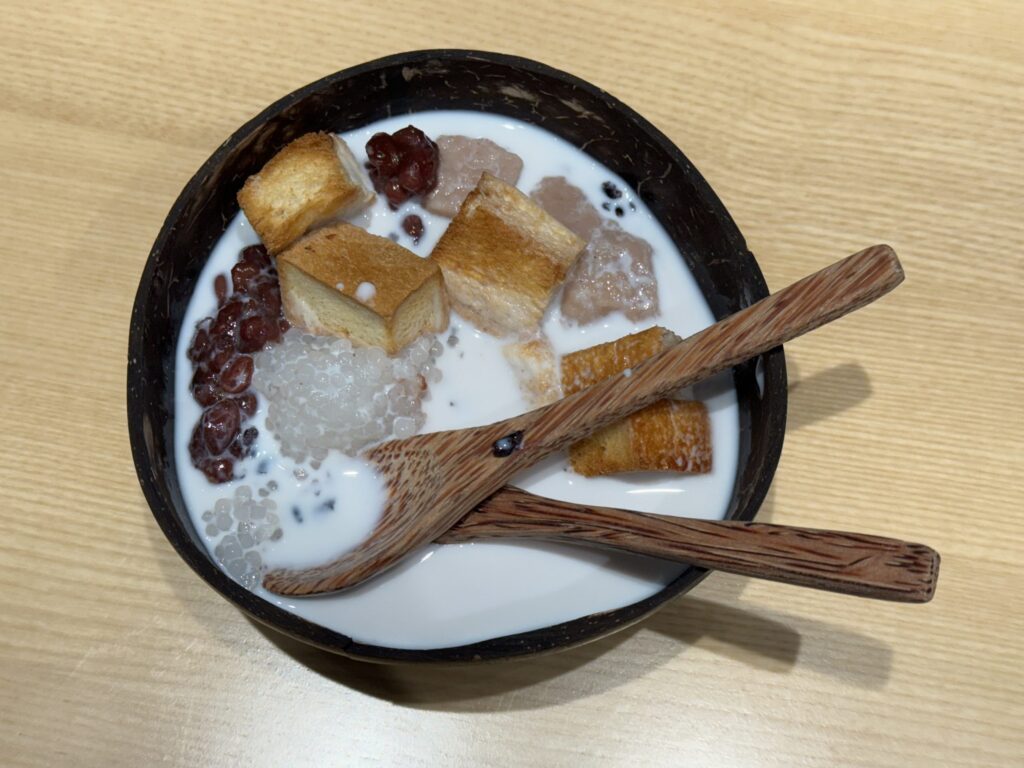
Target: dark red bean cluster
{"x":402,"y":164}
{"x":247,"y":320}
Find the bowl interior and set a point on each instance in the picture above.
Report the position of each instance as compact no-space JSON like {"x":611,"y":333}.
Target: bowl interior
{"x":585,"y":116}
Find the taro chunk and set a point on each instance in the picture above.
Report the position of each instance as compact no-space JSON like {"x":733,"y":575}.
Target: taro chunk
{"x":614,"y":273}
{"x":462,"y":161}
{"x":568,"y":204}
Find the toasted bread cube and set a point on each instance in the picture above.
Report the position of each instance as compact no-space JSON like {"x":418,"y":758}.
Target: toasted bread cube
{"x":536,"y":369}
{"x":343,"y":281}
{"x":670,"y":435}
{"x":311,"y":182}
{"x":588,"y":366}
{"x":503,"y":258}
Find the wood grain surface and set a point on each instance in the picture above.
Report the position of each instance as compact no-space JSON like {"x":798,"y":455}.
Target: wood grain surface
{"x":435,"y":479}
{"x":823,"y":127}
{"x":851,"y":563}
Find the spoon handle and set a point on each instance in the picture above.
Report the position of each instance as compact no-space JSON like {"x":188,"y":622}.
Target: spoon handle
{"x":435,"y":479}
{"x":803,"y":306}
{"x":850,"y":563}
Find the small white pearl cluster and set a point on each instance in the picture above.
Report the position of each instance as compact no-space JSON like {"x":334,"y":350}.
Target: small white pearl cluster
{"x":323,"y":392}
{"x":243,"y":524}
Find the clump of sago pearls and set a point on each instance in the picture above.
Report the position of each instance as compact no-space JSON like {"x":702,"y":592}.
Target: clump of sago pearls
{"x":243,"y":523}
{"x":322,"y":392}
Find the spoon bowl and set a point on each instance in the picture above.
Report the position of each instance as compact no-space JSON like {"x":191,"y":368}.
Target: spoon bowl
{"x":711,"y":247}
{"x":435,"y":479}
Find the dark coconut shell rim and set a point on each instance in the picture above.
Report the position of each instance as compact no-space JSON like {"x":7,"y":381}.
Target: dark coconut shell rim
{"x":724,"y":259}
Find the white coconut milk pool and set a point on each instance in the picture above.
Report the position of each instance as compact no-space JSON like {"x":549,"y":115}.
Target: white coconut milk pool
{"x":450,"y":595}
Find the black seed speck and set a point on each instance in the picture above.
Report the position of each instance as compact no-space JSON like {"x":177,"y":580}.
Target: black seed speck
{"x":327,"y":506}
{"x":618,"y":211}
{"x":606,"y":205}
{"x":263,"y":467}
{"x":297,"y":514}
{"x":451,"y":403}
{"x":632,"y":206}
{"x":506,"y":445}
{"x":611,"y":190}
{"x":393,"y":236}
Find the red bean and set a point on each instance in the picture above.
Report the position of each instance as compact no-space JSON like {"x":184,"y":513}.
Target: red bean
{"x":247,"y":404}
{"x":244,"y":274}
{"x":253,"y":333}
{"x":200,"y":345}
{"x":196,"y":449}
{"x":269,"y":296}
{"x":227,"y":319}
{"x":411,"y":175}
{"x":383,"y":154}
{"x":219,"y":470}
{"x":220,"y":423}
{"x":221,"y":360}
{"x":237,"y":377}
{"x":413,"y":226}
{"x":220,"y":287}
{"x":247,"y":319}
{"x":257,"y":256}
{"x":204,"y":389}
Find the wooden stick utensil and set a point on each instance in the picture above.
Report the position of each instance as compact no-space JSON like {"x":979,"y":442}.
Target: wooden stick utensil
{"x":435,"y":479}
{"x":851,"y":563}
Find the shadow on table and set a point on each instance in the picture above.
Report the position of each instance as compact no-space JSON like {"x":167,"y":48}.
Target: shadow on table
{"x":766,"y":640}
{"x":763,"y":639}
{"x":759,"y":638}
{"x":825,"y":393}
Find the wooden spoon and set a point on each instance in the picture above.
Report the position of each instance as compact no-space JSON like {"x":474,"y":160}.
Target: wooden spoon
{"x":851,"y":563}
{"x":434,"y":479}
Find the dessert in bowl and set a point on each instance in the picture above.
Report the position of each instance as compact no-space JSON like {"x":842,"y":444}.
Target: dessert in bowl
{"x":562,"y":237}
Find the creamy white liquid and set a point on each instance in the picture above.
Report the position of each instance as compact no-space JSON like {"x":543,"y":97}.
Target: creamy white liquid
{"x":456,"y":594}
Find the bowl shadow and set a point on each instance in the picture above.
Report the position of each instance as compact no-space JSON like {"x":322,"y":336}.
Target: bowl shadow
{"x":770,"y":641}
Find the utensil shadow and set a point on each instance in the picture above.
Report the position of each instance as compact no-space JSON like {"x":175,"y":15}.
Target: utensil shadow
{"x":825,"y":393}
{"x":765,"y":640}
{"x":762,"y":639}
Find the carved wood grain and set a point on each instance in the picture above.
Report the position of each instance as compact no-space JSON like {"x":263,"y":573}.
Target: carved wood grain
{"x":850,"y":563}
{"x":435,"y":479}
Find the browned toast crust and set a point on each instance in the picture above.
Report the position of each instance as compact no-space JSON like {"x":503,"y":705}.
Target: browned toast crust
{"x":306,"y":184}
{"x":670,"y":435}
{"x":503,"y":258}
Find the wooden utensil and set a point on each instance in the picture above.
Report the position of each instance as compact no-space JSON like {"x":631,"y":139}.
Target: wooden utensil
{"x":435,"y":479}
{"x":851,"y":563}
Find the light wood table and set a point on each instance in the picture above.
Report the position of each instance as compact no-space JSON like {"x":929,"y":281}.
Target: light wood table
{"x":824,"y":127}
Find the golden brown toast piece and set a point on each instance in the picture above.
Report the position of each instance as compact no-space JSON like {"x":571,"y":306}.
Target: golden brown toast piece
{"x":536,"y":369}
{"x":312,"y":181}
{"x":670,"y":435}
{"x":503,"y":258}
{"x":343,"y":281}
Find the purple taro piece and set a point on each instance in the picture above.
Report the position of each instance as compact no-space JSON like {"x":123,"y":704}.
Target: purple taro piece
{"x":568,"y":204}
{"x":614,"y":273}
{"x":462,"y":161}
